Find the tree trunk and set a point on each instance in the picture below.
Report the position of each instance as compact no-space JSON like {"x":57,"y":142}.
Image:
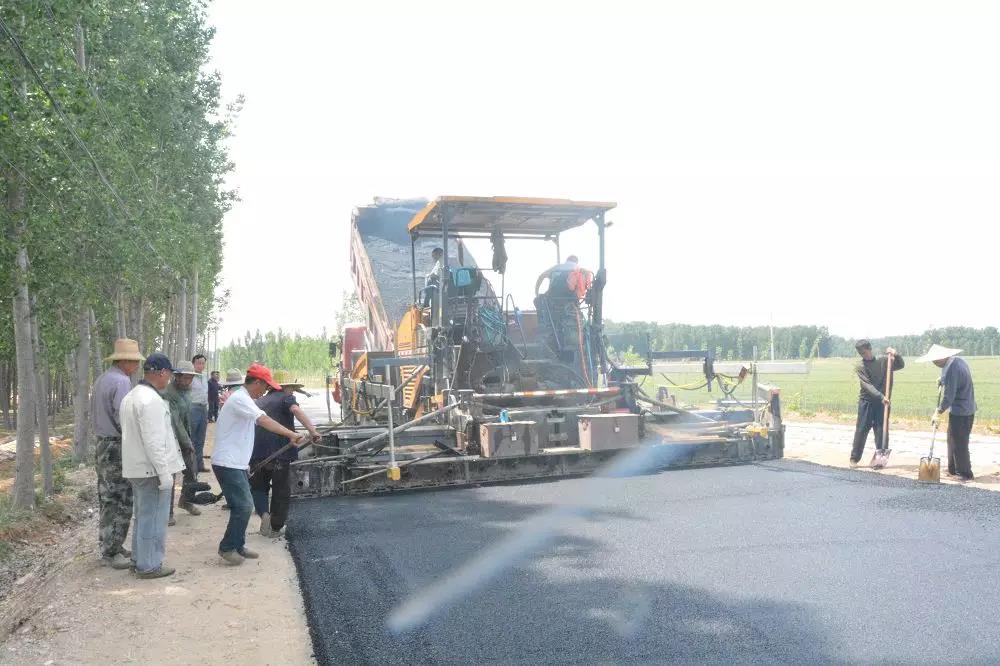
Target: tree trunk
{"x":95,"y":341}
{"x":120,"y":330}
{"x":81,"y":393}
{"x":182,"y":310}
{"x":41,"y":403}
{"x":79,"y":50}
{"x":24,"y":475}
{"x":193,"y":336}
{"x":5,"y":394}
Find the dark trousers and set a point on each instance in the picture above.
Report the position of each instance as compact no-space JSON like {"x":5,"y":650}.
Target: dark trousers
{"x":275,"y":477}
{"x":189,"y":476}
{"x":213,"y":410}
{"x":959,"y":429}
{"x":199,"y":424}
{"x":236,"y":490}
{"x":869,"y":418}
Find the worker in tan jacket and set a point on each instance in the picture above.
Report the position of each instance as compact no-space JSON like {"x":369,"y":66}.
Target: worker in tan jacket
{"x":150,"y":458}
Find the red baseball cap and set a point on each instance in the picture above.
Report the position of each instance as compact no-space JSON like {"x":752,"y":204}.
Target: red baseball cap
{"x":263,"y":373}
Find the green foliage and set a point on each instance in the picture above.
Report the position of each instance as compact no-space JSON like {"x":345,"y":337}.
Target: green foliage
{"x":123,"y":181}
{"x":303,"y":356}
{"x":727,"y":342}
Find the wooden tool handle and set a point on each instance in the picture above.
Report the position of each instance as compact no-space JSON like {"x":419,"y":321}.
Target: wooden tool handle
{"x":888,"y":395}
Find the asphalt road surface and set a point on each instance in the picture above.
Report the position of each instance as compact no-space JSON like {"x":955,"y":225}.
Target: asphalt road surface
{"x":783,"y":562}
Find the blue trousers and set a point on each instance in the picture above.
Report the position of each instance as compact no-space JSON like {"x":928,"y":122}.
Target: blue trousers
{"x":236,"y":490}
{"x":199,"y":424}
{"x":152,"y":510}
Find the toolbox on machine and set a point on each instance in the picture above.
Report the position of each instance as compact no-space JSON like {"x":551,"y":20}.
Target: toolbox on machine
{"x":600,"y":432}
{"x":514,"y":438}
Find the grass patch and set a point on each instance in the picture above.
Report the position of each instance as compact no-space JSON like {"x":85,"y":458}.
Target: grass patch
{"x":832,"y":387}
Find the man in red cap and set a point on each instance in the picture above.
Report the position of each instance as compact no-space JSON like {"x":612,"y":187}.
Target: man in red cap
{"x":234,"y":435}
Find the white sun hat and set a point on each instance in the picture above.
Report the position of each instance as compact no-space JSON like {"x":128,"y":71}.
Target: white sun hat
{"x":938,"y":353}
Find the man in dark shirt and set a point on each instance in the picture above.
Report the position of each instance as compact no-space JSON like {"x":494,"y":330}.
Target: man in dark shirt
{"x":958,"y":397}
{"x":872,"y":400}
{"x":213,"y":396}
{"x":275,"y":477}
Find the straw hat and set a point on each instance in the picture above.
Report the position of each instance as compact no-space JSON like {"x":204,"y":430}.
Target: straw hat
{"x":184,"y":368}
{"x":284,"y":378}
{"x":126,"y":350}
{"x":938,"y":353}
{"x":233,"y":378}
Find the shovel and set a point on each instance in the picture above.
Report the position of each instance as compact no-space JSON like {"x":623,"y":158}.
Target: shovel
{"x":929,"y":470}
{"x":881,"y":457}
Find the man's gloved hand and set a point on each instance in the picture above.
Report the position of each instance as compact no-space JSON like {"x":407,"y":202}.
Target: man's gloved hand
{"x":936,"y":419}
{"x":166,"y":481}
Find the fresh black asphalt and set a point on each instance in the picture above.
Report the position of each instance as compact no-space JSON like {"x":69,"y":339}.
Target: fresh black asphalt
{"x":782,"y":562}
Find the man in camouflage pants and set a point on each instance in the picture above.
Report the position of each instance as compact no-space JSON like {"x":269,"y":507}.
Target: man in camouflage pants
{"x":114,"y":492}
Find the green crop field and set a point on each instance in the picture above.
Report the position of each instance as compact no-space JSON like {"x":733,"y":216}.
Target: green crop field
{"x":832,"y":387}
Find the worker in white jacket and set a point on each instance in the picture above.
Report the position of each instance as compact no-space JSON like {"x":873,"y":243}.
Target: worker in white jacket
{"x":150,"y":458}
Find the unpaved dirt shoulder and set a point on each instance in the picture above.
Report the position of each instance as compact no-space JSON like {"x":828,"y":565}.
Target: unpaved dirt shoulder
{"x":206,"y":613}
{"x":830,"y":444}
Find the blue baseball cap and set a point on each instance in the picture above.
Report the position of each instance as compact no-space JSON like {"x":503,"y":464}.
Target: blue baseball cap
{"x":157,"y":361}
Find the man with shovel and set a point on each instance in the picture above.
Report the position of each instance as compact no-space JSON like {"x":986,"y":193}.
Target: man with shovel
{"x":872,"y":402}
{"x":958,"y":396}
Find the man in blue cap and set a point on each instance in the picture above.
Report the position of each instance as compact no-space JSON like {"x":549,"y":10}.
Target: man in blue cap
{"x":150,"y":458}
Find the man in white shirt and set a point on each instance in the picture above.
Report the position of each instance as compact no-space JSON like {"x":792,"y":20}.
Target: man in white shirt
{"x":150,"y":458}
{"x":234,"y":437}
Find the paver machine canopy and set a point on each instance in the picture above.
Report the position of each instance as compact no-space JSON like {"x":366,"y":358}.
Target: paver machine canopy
{"x":481,"y":340}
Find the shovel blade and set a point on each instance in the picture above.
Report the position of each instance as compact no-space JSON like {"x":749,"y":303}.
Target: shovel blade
{"x":929,"y":470}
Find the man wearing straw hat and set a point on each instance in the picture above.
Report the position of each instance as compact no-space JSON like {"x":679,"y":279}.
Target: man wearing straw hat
{"x":113,"y":492}
{"x":233,"y":380}
{"x":958,"y":397}
{"x":274,"y":478}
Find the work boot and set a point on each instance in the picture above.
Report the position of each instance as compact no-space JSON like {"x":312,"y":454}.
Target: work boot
{"x":190,"y":508}
{"x":232,"y":557}
{"x":854,"y":464}
{"x":119,"y":561}
{"x":171,"y":522}
{"x":161,"y":572}
{"x":265,"y":525}
{"x":249,"y":554}
{"x":126,"y":552}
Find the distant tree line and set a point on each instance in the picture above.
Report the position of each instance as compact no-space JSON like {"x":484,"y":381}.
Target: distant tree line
{"x":726,"y":342}
{"x":299,"y":354}
{"x":973,"y":341}
{"x":790,"y":342}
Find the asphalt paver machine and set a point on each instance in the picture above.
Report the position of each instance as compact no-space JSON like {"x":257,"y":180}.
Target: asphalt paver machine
{"x":452,"y":382}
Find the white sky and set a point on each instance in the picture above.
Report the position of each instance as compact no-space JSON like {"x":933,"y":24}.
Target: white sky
{"x":832,"y":163}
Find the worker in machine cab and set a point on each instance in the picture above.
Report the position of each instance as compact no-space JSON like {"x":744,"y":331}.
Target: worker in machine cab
{"x":558,"y":277}
{"x":432,"y":283}
{"x":558,"y":308}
